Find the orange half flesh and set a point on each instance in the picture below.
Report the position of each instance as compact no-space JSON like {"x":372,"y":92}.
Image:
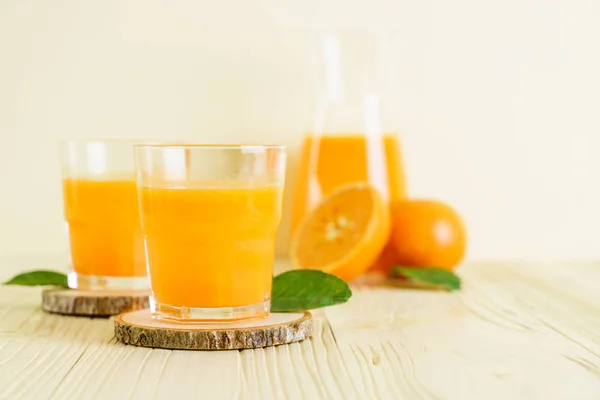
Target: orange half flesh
{"x":344,"y":234}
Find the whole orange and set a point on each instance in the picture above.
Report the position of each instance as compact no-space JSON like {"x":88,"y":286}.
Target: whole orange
{"x":427,"y":233}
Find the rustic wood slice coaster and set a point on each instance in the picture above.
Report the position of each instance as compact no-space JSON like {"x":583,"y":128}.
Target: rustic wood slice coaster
{"x":90,"y":303}
{"x":138,"y":328}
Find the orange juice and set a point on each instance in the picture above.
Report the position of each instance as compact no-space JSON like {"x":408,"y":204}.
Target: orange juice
{"x":210,"y":248}
{"x":104,"y":227}
{"x":341,"y":159}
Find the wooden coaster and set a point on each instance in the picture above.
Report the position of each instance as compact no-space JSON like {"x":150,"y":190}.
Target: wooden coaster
{"x":138,"y":328}
{"x":93,"y":303}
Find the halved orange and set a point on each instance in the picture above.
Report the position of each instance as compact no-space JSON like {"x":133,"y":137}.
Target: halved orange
{"x":344,"y":234}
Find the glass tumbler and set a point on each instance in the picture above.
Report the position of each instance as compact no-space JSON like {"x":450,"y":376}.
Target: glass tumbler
{"x":101,"y":213}
{"x":209,"y":215}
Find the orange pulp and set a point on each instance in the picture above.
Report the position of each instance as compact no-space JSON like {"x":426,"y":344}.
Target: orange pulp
{"x":210,"y":248}
{"x":344,"y":234}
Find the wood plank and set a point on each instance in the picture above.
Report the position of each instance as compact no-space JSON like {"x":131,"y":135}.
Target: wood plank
{"x":518,"y":331}
{"x":506,"y":336}
{"x":35,"y":359}
{"x":292,"y":371}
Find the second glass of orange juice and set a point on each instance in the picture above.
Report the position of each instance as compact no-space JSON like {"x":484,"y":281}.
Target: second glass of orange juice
{"x":209,"y":216}
{"x":101,"y":212}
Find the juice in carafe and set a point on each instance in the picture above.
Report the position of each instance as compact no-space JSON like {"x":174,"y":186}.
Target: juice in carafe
{"x":333,"y":160}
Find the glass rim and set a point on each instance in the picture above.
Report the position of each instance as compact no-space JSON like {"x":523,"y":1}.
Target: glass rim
{"x":190,"y":146}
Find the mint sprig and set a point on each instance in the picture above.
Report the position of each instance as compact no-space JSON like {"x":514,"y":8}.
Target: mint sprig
{"x":295,"y":290}
{"x":39,"y":278}
{"x":306,"y":290}
{"x":430,"y":276}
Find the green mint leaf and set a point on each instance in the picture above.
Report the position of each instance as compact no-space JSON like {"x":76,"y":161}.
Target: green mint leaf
{"x":432,"y":276}
{"x":306,"y":289}
{"x":39,"y":278}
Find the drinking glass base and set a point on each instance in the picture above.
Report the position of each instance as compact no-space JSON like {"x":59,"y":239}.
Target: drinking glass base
{"x":96,"y":282}
{"x":171,"y":313}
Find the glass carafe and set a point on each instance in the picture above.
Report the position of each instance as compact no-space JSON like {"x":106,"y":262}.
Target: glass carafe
{"x":348,"y":142}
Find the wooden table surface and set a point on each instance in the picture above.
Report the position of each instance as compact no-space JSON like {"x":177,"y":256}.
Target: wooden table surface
{"x":515,"y":331}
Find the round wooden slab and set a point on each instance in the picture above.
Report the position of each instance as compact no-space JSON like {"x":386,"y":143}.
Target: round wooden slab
{"x":140,"y":329}
{"x":93,"y":303}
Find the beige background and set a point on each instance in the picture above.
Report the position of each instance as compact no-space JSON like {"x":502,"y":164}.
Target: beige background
{"x":496,"y":102}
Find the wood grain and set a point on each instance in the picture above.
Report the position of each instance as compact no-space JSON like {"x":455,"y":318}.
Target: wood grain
{"x":93,"y":303}
{"x":515,"y":331}
{"x":138,"y":328}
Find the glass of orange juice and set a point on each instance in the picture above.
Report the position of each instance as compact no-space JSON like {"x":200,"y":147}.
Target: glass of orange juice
{"x":209,"y":215}
{"x":101,"y":212}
